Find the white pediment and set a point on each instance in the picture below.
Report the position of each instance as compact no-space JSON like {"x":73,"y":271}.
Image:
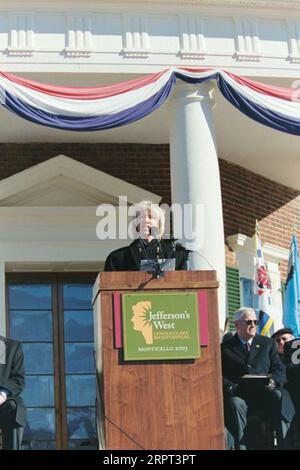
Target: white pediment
{"x":62,"y":181}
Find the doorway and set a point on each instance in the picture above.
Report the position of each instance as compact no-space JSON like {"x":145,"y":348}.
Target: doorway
{"x":53,"y":317}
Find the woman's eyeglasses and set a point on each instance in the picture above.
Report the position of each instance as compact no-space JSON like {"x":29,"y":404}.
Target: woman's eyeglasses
{"x":249,"y":322}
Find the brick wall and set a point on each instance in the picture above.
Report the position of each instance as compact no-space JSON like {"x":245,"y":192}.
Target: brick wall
{"x":147,"y":166}
{"x":246,"y":195}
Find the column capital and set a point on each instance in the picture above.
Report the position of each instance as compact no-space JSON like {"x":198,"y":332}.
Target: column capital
{"x":188,"y":92}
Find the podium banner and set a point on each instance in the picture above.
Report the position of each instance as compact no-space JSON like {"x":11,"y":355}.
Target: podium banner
{"x":160,"y":326}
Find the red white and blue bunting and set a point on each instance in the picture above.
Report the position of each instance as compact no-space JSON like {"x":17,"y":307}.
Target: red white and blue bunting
{"x":97,"y":108}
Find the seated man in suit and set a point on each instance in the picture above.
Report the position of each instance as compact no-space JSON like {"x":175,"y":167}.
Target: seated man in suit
{"x":148,"y":247}
{"x":248,"y":353}
{"x":12,"y":381}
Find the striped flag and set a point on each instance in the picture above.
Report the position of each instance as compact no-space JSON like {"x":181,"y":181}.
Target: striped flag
{"x":291,"y":311}
{"x":262,"y":288}
{"x":105,"y":107}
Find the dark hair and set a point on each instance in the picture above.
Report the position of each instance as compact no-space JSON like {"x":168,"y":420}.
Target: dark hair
{"x":282,"y":331}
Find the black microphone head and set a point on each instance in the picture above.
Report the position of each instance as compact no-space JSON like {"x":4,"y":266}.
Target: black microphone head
{"x":155,"y":232}
{"x":180,"y":247}
{"x":170,"y":240}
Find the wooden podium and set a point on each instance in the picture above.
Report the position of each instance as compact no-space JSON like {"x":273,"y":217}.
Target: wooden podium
{"x":163,"y":404}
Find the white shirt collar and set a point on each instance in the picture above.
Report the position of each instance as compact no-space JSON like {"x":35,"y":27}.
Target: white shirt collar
{"x":243,"y":341}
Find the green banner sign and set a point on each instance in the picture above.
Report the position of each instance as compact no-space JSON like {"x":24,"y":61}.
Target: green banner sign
{"x":160,"y":326}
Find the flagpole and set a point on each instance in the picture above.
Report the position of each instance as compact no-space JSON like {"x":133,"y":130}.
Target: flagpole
{"x":257,"y":227}
{"x":256,"y":235}
{"x":291,"y":309}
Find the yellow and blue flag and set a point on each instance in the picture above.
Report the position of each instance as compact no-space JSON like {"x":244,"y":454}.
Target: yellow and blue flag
{"x":262,"y":288}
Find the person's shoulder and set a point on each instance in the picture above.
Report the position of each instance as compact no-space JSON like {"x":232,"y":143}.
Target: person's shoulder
{"x":124,"y":249}
{"x":229,"y":342}
{"x":292,"y":344}
{"x":292,"y":341}
{"x":117,"y":260}
{"x":180,"y":248}
{"x":171,"y":245}
{"x":264,"y":340}
{"x":118,"y":252}
{"x":227,"y":336}
{"x":10,"y":342}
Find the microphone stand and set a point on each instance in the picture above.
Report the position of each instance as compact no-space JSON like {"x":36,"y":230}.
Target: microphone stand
{"x":159,"y":272}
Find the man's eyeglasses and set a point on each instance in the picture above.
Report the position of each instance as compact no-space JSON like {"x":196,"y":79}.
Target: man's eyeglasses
{"x":249,"y":322}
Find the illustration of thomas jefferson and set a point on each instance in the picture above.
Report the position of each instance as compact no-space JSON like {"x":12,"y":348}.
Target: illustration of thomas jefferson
{"x":141,"y":322}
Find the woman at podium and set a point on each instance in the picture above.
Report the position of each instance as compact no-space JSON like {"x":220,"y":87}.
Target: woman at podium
{"x":148,"y":252}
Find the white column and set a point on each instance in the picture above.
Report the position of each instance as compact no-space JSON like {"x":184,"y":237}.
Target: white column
{"x":195,"y":177}
{"x":2,"y":300}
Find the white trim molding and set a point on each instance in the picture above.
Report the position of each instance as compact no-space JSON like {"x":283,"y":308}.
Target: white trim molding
{"x":20,"y":35}
{"x":293,"y":29}
{"x":192,"y":39}
{"x":240,"y":243}
{"x":79,"y":36}
{"x":138,"y":38}
{"x":248,"y":46}
{"x":135,"y":37}
{"x":249,"y":4}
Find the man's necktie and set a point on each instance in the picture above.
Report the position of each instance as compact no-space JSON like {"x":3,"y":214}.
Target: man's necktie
{"x":247,"y":347}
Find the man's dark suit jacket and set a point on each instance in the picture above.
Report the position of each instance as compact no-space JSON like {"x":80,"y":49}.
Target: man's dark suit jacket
{"x":263,"y":359}
{"x":12,"y":376}
{"x":128,"y":258}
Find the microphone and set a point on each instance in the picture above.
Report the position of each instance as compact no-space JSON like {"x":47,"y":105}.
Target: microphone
{"x":154,"y":232}
{"x":195,"y":252}
{"x":159,"y":272}
{"x":171,"y":254}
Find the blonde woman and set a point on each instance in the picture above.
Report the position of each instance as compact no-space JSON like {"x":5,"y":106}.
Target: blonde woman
{"x":148,"y":245}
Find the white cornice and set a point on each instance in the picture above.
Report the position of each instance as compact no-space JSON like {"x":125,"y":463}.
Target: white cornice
{"x":271,"y":4}
{"x":137,"y":36}
{"x":243,"y":244}
{"x":238,"y":3}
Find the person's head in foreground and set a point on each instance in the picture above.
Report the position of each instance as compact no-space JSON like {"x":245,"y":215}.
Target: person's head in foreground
{"x":281,"y":337}
{"x":245,"y":322}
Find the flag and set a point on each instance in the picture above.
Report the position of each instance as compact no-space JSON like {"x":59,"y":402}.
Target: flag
{"x":291,"y":310}
{"x":105,"y":107}
{"x":262,"y":288}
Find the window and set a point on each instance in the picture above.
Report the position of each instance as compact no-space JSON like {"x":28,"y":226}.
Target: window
{"x":53,"y":318}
